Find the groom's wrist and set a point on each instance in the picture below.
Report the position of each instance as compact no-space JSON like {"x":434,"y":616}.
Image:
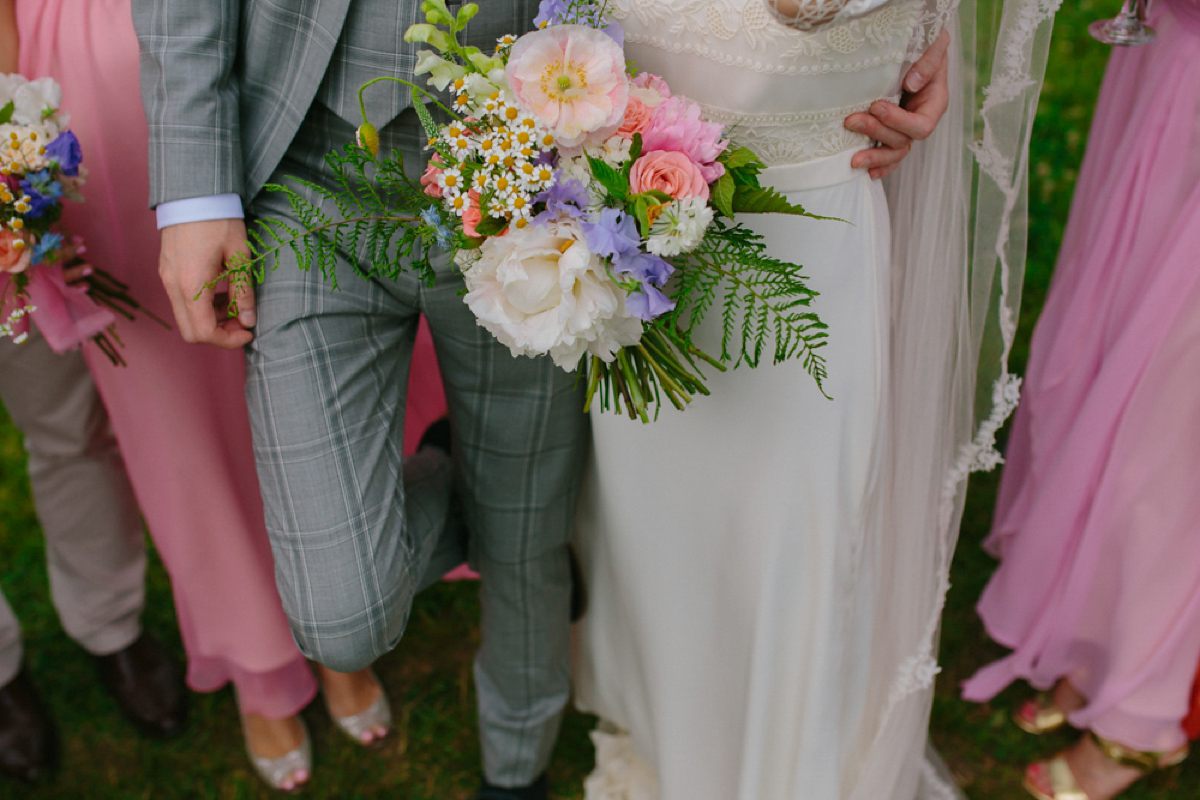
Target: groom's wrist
{"x":199,"y":209}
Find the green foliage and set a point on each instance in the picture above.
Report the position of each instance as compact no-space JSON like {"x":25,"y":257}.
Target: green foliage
{"x":7,"y":111}
{"x":765,"y":303}
{"x":369,"y":213}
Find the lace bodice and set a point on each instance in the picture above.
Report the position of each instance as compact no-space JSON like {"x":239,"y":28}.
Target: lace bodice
{"x":781,"y":91}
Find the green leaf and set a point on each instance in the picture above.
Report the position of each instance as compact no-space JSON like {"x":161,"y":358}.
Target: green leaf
{"x":613,"y":181}
{"x":760,"y":200}
{"x":491,"y":226}
{"x":635,"y":152}
{"x":722,"y":194}
{"x":641,"y":212}
{"x":7,"y":112}
{"x":741,"y":157}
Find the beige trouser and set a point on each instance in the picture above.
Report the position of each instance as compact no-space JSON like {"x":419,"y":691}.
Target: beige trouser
{"x":95,"y":550}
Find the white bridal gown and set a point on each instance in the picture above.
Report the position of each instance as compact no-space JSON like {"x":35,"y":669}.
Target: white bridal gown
{"x":729,"y":639}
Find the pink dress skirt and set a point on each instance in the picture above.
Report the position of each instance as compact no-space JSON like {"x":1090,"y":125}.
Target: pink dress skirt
{"x":1098,"y":518}
{"x":178,"y":409}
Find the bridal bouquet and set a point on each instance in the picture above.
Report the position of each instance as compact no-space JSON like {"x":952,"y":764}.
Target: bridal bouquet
{"x":590,"y":210}
{"x":40,"y":168}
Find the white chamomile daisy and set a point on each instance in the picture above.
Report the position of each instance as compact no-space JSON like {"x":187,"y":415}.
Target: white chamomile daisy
{"x":457,"y":204}
{"x":451,"y":181}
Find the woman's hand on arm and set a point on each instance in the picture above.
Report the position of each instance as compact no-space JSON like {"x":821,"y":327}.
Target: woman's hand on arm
{"x":895,"y":127}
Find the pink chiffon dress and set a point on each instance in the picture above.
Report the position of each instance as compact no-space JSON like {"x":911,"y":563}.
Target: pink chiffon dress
{"x":1098,"y":519}
{"x":178,"y":410}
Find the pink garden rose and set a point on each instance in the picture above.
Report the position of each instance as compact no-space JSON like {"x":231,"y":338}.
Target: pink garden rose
{"x":571,"y":79}
{"x":677,"y":125}
{"x":13,"y":257}
{"x":430,"y":179}
{"x":472,"y":216}
{"x":668,"y":171}
{"x":637,"y":117}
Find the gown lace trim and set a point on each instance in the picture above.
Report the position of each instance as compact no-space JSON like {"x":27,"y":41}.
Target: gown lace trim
{"x":746,"y":34}
{"x":791,"y":138}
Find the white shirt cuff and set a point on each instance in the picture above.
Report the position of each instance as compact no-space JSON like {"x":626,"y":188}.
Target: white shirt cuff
{"x":199,"y":209}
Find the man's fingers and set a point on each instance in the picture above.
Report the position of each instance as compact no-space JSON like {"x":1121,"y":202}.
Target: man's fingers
{"x":931,"y":63}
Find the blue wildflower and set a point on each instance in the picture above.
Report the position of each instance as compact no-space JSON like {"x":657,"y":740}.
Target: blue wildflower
{"x":49,"y":243}
{"x":647,"y":268}
{"x":443,"y":234}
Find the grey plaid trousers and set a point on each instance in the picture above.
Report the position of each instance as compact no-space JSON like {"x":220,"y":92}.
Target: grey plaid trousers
{"x":355,"y":530}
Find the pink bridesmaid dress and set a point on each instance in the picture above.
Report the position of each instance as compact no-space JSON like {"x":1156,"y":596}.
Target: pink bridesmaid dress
{"x":1098,"y":520}
{"x":178,"y":410}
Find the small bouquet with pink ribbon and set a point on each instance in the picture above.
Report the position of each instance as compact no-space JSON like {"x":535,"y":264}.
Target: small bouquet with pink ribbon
{"x":591,"y":210}
{"x":40,"y":169}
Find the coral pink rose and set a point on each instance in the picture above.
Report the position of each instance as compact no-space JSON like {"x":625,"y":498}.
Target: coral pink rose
{"x":430,"y":179}
{"x":13,"y":258}
{"x":571,"y":79}
{"x":472,"y":216}
{"x":637,"y":117}
{"x":668,"y":171}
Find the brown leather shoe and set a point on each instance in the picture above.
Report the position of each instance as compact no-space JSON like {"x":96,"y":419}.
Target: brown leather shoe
{"x":147,"y":683}
{"x":28,"y":740}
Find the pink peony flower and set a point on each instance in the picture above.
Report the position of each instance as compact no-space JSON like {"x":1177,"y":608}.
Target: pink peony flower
{"x":472,"y":216}
{"x":668,"y":171}
{"x":571,"y":79}
{"x":646,"y":80}
{"x":677,"y":125}
{"x":430,"y":179}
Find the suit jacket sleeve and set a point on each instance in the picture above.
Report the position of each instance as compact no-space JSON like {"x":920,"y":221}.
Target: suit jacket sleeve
{"x":190,"y":91}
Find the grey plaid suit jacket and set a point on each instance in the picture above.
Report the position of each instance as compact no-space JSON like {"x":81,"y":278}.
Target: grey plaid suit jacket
{"x":228,"y":82}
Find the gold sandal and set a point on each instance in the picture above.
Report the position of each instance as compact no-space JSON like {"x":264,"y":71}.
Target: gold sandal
{"x":1039,"y":715}
{"x":1063,"y":785}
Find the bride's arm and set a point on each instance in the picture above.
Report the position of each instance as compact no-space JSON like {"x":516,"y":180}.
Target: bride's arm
{"x":8,"y":37}
{"x":808,"y":14}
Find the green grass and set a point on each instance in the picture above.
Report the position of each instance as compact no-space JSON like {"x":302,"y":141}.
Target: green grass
{"x":435,"y":754}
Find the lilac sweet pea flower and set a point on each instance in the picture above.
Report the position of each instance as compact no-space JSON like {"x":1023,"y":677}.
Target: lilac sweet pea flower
{"x":648,"y":304}
{"x":550,"y":12}
{"x":611,"y":233}
{"x":565,"y":197}
{"x":559,"y":12}
{"x":649,"y":269}
{"x":66,"y":151}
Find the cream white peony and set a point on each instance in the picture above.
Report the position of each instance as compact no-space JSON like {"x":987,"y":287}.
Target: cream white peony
{"x":540,"y":290}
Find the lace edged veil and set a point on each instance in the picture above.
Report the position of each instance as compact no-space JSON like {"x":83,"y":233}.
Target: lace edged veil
{"x":958,"y":206}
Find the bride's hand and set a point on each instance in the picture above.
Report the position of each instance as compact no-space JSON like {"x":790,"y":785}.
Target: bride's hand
{"x":926,"y":97}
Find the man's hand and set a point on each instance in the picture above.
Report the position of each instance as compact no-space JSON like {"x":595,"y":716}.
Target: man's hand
{"x":193,"y":254}
{"x":926,"y":97}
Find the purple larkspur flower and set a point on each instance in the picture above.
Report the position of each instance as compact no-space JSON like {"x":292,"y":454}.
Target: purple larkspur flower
{"x":43,"y":192}
{"x":66,"y":151}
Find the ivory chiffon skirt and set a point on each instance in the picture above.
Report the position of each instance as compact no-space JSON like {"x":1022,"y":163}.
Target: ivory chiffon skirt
{"x":720,"y":543}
